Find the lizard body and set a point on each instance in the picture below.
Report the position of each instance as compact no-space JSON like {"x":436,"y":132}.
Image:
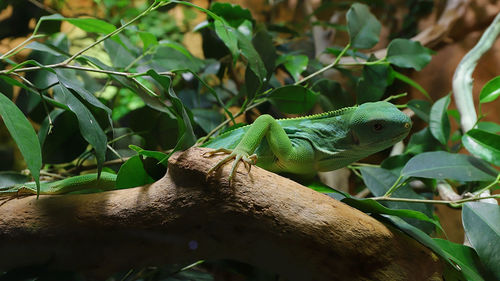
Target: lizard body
{"x":321,"y":142}
{"x":78,"y":183}
{"x":303,"y":145}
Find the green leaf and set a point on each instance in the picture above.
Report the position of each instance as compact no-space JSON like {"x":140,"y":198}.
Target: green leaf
{"x":445,"y":165}
{"x":320,"y":187}
{"x":208,"y":119}
{"x":379,"y":181}
{"x":421,"y":108}
{"x":158,"y":155}
{"x":422,"y":141}
{"x":148,"y":40}
{"x":464,"y":256}
{"x":408,"y":54}
{"x":254,"y":61}
{"x":373,"y":207}
{"x":228,"y":35}
{"x":86,"y":24}
{"x":24,"y":135}
{"x":294,"y":64}
{"x":371,"y":87}
{"x":491,"y":127}
{"x":89,"y":127}
{"x":490,"y":91}
{"x":363,"y":27}
{"x":132,"y":174}
{"x":46,"y":48}
{"x":482,"y":227}
{"x":119,"y":55}
{"x":234,"y":14}
{"x":483,"y":144}
{"x":332,"y":96}
{"x":293,"y":99}
{"x":439,"y":121}
{"x":187,"y":137}
{"x":92,"y":25}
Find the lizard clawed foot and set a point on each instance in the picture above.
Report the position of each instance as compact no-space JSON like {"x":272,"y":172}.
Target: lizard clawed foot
{"x":248,"y":160}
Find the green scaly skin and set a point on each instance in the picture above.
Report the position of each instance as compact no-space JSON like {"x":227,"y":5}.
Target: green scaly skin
{"x":79,"y":183}
{"x":315,"y":143}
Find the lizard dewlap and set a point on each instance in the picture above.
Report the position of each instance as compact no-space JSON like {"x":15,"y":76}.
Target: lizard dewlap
{"x":321,"y":142}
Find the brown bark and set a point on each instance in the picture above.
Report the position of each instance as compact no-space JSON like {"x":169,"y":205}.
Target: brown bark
{"x":261,"y":218}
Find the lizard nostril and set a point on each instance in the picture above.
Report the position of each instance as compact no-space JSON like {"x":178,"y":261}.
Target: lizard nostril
{"x":407,"y":125}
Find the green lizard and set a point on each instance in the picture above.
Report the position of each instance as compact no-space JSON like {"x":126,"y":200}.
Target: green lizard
{"x":306,"y":145}
{"x":303,"y":145}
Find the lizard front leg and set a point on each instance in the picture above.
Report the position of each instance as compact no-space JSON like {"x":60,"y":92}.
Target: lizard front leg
{"x":279,"y":143}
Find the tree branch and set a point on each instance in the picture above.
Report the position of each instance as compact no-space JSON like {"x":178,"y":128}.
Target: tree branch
{"x":262,"y":219}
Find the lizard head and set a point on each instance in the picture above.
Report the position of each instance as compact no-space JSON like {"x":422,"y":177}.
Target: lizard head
{"x":378,"y":125}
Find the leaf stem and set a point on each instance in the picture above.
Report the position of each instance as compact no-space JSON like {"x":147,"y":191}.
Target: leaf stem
{"x":394,"y":187}
{"x":334,"y":63}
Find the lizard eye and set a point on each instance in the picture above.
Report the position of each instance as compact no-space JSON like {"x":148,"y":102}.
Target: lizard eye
{"x":377,"y":127}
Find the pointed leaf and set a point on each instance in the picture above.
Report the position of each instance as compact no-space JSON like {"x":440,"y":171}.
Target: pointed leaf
{"x":24,"y":135}
{"x":421,"y":108}
{"x":89,"y":127}
{"x":439,"y":121}
{"x":490,"y":91}
{"x":482,"y":227}
{"x":363,"y":27}
{"x":483,"y":144}
{"x":407,"y":53}
{"x":294,"y":64}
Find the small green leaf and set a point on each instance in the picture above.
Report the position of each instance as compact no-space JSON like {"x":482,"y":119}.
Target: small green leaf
{"x":24,"y":135}
{"x":89,"y":127}
{"x":407,"y":53}
{"x":445,"y":165}
{"x":371,"y":87}
{"x":422,"y":141}
{"x":332,"y":96}
{"x":490,"y":91}
{"x":320,"y":187}
{"x":491,"y":127}
{"x":363,"y":27}
{"x":483,"y":144}
{"x":293,"y":99}
{"x":482,"y":227}
{"x":439,"y":121}
{"x":294,"y":64}
{"x":132,"y":174}
{"x":148,"y":40}
{"x":92,"y":25}
{"x":421,"y":108}
{"x":234,"y":14}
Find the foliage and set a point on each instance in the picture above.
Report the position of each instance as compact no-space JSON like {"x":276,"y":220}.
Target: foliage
{"x":144,"y":95}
